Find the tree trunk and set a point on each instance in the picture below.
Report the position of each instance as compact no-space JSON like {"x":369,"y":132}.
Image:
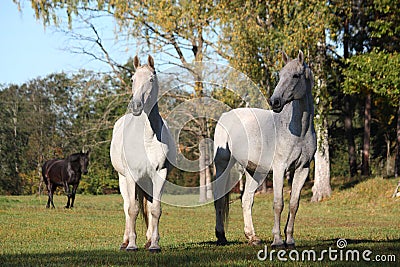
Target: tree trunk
{"x":387,"y":140}
{"x":202,"y":174}
{"x":348,"y":129}
{"x":322,"y":187}
{"x":348,"y":109}
{"x":397,"y":160}
{"x":367,"y":135}
{"x":205,"y":175}
{"x":17,"y":188}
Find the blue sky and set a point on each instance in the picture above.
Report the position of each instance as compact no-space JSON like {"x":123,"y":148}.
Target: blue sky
{"x":28,"y":50}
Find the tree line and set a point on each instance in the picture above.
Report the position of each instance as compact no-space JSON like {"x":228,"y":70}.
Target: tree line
{"x":351,"y":46}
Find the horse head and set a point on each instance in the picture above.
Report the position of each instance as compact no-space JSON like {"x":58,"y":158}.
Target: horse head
{"x":80,"y":160}
{"x":294,"y":80}
{"x":144,"y":87}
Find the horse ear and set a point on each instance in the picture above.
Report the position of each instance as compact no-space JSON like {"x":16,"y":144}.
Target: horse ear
{"x":88,"y":152}
{"x":136,"y":62}
{"x":150,"y":61}
{"x":285,"y":57}
{"x":300,"y":57}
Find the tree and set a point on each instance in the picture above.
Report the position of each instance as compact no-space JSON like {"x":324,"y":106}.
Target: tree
{"x":376,"y":72}
{"x":340,"y":25}
{"x":372,"y":25}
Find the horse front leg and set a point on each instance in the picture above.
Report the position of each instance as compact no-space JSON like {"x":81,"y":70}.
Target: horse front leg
{"x":278,"y":174}
{"x":74,"y":187}
{"x":300,"y":177}
{"x":127,"y":187}
{"x":250,"y":188}
{"x":155,"y":209}
{"x":66,"y":189}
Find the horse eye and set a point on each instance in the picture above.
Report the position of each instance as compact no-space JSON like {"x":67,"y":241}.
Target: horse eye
{"x":151,"y":80}
{"x":296,"y":75}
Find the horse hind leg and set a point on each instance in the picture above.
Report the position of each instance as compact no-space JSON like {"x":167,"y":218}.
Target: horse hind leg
{"x":250,"y":188}
{"x":149,"y":219}
{"x":300,"y":177}
{"x":223,"y":165}
{"x":50,"y":195}
{"x":52,"y":189}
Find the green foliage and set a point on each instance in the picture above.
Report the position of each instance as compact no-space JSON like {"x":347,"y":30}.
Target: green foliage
{"x":377,"y":72}
{"x":54,"y":117}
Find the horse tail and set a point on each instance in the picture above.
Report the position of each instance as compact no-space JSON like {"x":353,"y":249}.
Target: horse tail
{"x":141,"y":196}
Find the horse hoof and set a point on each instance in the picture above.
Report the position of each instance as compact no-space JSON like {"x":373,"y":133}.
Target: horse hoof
{"x":221,"y":239}
{"x":131,"y":249}
{"x":147,"y":245}
{"x":255,"y":241}
{"x":222,"y":242}
{"x":154,"y":250}
{"x":123,"y":246}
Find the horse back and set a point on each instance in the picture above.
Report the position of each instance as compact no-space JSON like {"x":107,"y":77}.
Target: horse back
{"x":53,"y":171}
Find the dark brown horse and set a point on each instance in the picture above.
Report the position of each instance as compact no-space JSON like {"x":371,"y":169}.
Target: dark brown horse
{"x":65,"y":172}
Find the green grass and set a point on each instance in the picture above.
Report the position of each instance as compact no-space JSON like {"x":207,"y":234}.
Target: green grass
{"x":90,"y":234}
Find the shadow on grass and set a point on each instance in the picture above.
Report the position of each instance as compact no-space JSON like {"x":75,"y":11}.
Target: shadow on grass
{"x":198,"y":254}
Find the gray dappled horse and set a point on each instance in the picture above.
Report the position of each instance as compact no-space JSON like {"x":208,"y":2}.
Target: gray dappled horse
{"x":141,"y":150}
{"x":262,"y":140}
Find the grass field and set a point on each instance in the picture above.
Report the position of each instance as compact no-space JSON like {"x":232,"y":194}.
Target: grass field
{"x":90,"y":234}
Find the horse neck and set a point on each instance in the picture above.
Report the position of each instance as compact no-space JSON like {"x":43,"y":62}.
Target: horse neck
{"x":300,"y":113}
{"x":156,"y":121}
{"x":76,"y":167}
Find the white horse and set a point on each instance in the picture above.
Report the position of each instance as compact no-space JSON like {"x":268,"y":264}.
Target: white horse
{"x":141,"y":151}
{"x":260,"y":140}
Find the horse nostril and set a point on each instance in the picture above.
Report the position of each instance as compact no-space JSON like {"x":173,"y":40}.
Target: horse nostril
{"x":274,"y":102}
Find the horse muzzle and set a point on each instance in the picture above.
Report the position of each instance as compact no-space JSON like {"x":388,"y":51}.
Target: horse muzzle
{"x":135,"y":107}
{"x":276,"y":104}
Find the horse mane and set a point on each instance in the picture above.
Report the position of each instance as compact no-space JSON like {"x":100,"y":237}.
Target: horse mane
{"x":74,"y":157}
